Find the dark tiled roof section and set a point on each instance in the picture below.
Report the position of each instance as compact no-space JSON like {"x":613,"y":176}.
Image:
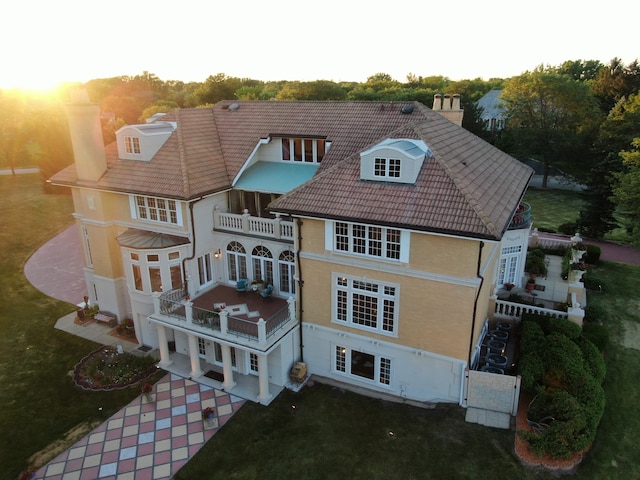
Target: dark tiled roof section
{"x":468,"y":188}
{"x":189,"y":164}
{"x":350,"y":126}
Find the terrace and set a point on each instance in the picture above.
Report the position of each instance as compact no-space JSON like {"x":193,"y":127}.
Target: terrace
{"x":242,"y":318}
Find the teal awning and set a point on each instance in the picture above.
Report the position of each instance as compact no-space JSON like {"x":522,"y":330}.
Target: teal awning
{"x":275,"y":177}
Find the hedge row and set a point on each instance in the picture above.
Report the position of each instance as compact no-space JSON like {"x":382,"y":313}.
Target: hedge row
{"x":565,"y":370}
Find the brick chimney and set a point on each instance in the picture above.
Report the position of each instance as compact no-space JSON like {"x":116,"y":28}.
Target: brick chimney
{"x":449,"y":107}
{"x":86,"y":137}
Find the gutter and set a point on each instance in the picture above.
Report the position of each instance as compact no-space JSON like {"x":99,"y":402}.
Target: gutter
{"x":475,"y":303}
{"x":193,"y":250}
{"x":300,"y":285}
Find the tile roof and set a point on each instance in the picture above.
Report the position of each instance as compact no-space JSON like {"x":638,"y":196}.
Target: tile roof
{"x":468,"y":187}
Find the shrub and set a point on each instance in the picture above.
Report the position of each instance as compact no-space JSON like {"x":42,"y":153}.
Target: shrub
{"x":562,"y":326}
{"x":595,"y":314}
{"x":594,"y":363}
{"x":598,"y":334}
{"x":593,"y":254}
{"x":531,"y":370}
{"x":568,"y":228}
{"x":591,"y":282}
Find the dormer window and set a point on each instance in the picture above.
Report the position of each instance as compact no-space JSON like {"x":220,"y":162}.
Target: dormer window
{"x":132,"y":145}
{"x":397,"y":160}
{"x":386,"y":167}
{"x":307,"y":150}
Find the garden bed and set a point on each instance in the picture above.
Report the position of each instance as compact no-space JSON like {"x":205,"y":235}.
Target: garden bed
{"x":106,"y":369}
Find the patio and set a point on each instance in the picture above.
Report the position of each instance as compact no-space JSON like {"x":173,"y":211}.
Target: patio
{"x":247,"y":305}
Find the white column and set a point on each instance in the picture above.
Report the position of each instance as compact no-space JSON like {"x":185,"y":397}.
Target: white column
{"x":263,"y":377}
{"x":227,"y":367}
{"x":164,"y":346}
{"x":194,"y":357}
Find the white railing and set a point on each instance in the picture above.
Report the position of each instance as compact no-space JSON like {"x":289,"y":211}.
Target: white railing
{"x":245,"y":223}
{"x":506,"y":309}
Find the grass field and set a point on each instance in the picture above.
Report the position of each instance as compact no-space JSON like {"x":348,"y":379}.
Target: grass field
{"x":319,"y":433}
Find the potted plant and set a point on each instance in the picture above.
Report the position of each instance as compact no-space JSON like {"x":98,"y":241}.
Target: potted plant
{"x":530,"y":285}
{"x":508,"y":286}
{"x":147,"y":390}
{"x":209,"y":416}
{"x":257,"y":284}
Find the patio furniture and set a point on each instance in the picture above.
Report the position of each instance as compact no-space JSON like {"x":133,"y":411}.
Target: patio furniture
{"x":242,"y":285}
{"x":266,"y":293}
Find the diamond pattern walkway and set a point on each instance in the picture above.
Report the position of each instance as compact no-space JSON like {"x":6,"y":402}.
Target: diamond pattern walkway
{"x":146,"y":440}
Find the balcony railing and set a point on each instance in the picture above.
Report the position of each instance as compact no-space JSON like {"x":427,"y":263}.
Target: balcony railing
{"x":174,"y":307}
{"x":275,"y":228}
{"x":522,"y":217}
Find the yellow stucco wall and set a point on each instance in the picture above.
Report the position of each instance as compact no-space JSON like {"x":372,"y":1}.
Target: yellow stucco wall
{"x":437,"y":289}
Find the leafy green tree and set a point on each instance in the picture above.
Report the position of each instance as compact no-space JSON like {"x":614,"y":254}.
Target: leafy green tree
{"x":627,"y":192}
{"x":616,"y":81}
{"x":550,"y":117}
{"x":316,"y":90}
{"x":616,"y":135}
{"x":14,"y":133}
{"x":580,"y":70}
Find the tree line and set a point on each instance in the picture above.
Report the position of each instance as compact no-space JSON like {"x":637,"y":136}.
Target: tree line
{"x":580,"y":117}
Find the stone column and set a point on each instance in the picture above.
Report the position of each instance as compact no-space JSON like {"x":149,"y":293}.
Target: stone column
{"x":194,"y":357}
{"x":263,"y":376}
{"x":227,"y":367}
{"x":164,"y":346}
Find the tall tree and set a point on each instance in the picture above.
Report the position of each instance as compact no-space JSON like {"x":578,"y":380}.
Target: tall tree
{"x":617,"y":134}
{"x":616,"y":81}
{"x":316,"y":90}
{"x":550,"y":117}
{"x":627,"y":192}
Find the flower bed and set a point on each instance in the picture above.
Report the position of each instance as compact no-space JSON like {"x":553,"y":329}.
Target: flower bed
{"x":106,"y":369}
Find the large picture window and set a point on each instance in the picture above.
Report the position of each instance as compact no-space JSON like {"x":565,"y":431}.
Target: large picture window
{"x":376,"y":369}
{"x":307,"y":150}
{"x":237,"y":258}
{"x":366,"y":304}
{"x":368,"y":240}
{"x":155,"y":272}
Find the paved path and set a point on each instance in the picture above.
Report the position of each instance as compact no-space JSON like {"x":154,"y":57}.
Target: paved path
{"x":143,"y":441}
{"x":611,"y":251}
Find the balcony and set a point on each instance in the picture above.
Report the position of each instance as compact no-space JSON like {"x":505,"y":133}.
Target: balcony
{"x":272,"y":228}
{"x":522,"y":217}
{"x":246,"y":320}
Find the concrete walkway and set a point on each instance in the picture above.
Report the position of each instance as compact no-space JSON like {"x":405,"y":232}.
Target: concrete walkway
{"x":611,"y":252}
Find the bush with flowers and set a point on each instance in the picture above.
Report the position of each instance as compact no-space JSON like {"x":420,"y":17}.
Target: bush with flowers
{"x":208,"y":412}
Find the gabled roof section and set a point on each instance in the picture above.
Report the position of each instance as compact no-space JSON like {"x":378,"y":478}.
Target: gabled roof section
{"x":467,"y":188}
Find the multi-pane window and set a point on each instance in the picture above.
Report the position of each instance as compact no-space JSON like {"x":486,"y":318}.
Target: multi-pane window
{"x":364,"y":304}
{"x":262,"y":260}
{"x":157,"y":210}
{"x":217,"y":349}
{"x":386,"y":167}
{"x":237,"y":261}
{"x":253,"y":363}
{"x":202,"y":347}
{"x":307,"y":150}
{"x":367,"y":240}
{"x":509,"y":264}
{"x":286,"y":263}
{"x":376,"y":369}
{"x":205,"y":270}
{"x":132,"y":144}
{"x":156,"y":272}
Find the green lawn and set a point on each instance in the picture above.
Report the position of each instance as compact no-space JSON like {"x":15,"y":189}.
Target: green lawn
{"x":319,"y":433}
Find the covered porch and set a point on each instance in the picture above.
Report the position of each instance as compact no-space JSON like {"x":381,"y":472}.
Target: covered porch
{"x":246,"y":386}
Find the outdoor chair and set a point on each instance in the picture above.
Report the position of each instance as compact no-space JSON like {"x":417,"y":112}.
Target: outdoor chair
{"x":266,"y":293}
{"x":242,"y":285}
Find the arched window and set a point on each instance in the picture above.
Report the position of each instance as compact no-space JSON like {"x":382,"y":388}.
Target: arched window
{"x":237,"y":261}
{"x":287,"y":269}
{"x":262,"y":264}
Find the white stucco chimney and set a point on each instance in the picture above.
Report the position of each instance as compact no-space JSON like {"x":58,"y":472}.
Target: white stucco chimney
{"x":86,"y":137}
{"x":437,"y":102}
{"x":449,"y":107}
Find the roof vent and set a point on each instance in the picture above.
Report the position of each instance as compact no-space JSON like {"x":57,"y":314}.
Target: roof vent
{"x":407,"y":109}
{"x":234,"y":106}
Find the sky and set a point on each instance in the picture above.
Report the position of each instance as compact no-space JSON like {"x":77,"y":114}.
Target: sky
{"x":45,"y":42}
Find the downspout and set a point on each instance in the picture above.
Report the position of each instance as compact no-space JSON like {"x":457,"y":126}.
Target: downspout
{"x":475,"y":303}
{"x":300,"y":285}
{"x":193,"y":250}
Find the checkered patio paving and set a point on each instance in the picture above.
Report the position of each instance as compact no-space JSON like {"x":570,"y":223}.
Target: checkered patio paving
{"x":146,"y":439}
